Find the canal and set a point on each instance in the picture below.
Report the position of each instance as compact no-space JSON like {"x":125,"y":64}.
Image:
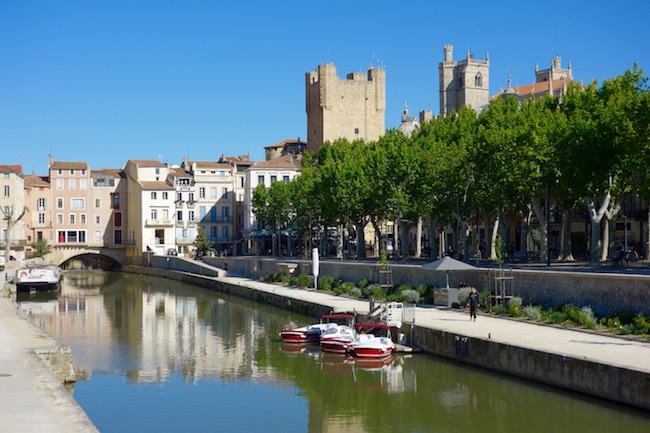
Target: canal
{"x":155,"y":355}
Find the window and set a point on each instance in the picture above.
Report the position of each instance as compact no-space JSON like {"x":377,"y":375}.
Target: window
{"x":165,"y":196}
{"x":98,"y":219}
{"x":285,"y":179}
{"x":478,"y":80}
{"x":260,"y":179}
{"x":213,"y":214}
{"x":98,"y":235}
{"x":154,"y":214}
{"x":98,"y":202}
{"x":117,"y":219}
{"x":41,"y":218}
{"x":82,"y":236}
{"x":179,"y":215}
{"x":6,"y":191}
{"x":213,"y":233}
{"x":82,"y":183}
{"x":274,"y":178}
{"x":157,"y":171}
{"x":190,"y":215}
{"x":116,"y":201}
{"x":82,"y":218}
{"x":5,"y":175}
{"x":225,"y":213}
{"x":71,"y":172}
{"x":77,"y":203}
{"x":201,"y":213}
{"x":213,"y":193}
{"x":71,"y":184}
{"x":41,"y":204}
{"x":72,"y":218}
{"x":153,"y":195}
{"x":241,"y":182}
{"x":59,"y":203}
{"x":202,"y":192}
{"x":356,"y":131}
{"x":59,"y":184}
{"x":190,"y":197}
{"x":118,"y":237}
{"x":83,"y":172}
{"x":224,"y":233}
{"x":179,"y":197}
{"x":59,"y":218}
{"x":222,"y":173}
{"x":224,"y":192}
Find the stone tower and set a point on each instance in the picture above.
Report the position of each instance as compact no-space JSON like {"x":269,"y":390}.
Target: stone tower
{"x":353,"y":108}
{"x":463,"y":82}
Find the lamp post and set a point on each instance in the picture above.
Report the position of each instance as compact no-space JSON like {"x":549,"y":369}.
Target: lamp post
{"x":396,"y":231}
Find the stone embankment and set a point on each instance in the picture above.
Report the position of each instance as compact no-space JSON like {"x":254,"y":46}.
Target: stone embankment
{"x":600,"y":365}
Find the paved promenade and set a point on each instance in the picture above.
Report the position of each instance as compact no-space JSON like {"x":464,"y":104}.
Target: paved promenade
{"x":31,"y":398}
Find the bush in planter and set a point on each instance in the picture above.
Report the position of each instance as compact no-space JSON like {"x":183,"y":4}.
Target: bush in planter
{"x":463,"y":295}
{"x":363,"y":283}
{"x":411,"y":296}
{"x":514,"y":306}
{"x":293,"y":282}
{"x":355,"y":292}
{"x":641,"y":324}
{"x":346,"y":287}
{"x":325,"y":283}
{"x":532,"y":312}
{"x":501,"y":310}
{"x":304,"y":281}
{"x":587,"y":318}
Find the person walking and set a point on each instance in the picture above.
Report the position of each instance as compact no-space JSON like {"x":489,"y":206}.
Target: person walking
{"x":473,"y":303}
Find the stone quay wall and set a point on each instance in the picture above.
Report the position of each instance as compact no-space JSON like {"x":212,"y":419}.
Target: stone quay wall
{"x":608,"y":294}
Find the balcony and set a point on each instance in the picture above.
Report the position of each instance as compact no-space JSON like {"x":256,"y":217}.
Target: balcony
{"x":184,"y":240}
{"x":158,"y":223}
{"x":184,"y":187}
{"x":179,"y":204}
{"x":191,"y":203}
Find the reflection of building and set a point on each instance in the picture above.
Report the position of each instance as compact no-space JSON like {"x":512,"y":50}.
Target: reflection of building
{"x":463,"y":82}
{"x":353,"y":108}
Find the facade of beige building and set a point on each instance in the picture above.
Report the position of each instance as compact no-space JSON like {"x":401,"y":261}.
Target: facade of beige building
{"x":12,"y":211}
{"x":463,"y":82}
{"x":107,"y":226}
{"x":352,"y":108}
{"x":38,"y":220}
{"x":70,"y":184}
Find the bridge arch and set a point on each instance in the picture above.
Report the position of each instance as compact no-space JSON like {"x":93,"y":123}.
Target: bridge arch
{"x":111,"y":258}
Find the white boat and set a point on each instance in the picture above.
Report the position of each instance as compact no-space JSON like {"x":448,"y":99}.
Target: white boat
{"x":374,"y":348}
{"x":38,"y":278}
{"x":343,"y":339}
{"x":312,"y":333}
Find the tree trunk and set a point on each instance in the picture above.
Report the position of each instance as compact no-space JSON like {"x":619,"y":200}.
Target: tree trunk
{"x":565,"y":241}
{"x":495,"y":231}
{"x":525,"y":229}
{"x":543,"y":238}
{"x":433,"y":244}
{"x":596,"y":215}
{"x":605,"y":225}
{"x":339,"y":241}
{"x":418,"y":239}
{"x":361,"y":241}
{"x":377,"y":238}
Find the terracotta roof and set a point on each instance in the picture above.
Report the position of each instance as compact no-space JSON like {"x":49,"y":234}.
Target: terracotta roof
{"x":283,"y":143}
{"x":147,"y":163}
{"x":210,"y":165}
{"x":66,"y":165}
{"x":32,"y":180}
{"x":18,"y":169}
{"x":115,"y":172}
{"x":286,"y":161}
{"x":235,"y":159}
{"x":537,"y":88}
{"x":179,"y":172}
{"x":156,"y":186}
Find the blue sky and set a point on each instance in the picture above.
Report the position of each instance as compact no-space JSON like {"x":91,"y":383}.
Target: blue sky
{"x":104,"y":82}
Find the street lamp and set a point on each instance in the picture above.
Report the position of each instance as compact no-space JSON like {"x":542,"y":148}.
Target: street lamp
{"x":396,"y":231}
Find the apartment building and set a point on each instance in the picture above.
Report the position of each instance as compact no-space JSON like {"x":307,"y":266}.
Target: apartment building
{"x":70,"y":189}
{"x":215,"y":202}
{"x":12,"y":206}
{"x":185,"y":204}
{"x":107,"y":208}
{"x":240,"y":165}
{"x":38,"y":219}
{"x":150,"y":210}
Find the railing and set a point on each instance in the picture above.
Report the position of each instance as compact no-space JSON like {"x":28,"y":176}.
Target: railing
{"x":184,"y":187}
{"x":158,"y":222}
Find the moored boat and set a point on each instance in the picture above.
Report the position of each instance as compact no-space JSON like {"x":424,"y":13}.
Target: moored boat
{"x":374,"y":348}
{"x":312,"y":333}
{"x":38,"y":278}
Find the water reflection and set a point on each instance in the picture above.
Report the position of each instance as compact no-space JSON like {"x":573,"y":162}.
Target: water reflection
{"x":161,"y":354}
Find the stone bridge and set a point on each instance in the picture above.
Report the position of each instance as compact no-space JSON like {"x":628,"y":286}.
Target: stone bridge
{"x":61,"y":254}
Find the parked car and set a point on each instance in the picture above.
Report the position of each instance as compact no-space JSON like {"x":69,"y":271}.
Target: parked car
{"x":172,"y":252}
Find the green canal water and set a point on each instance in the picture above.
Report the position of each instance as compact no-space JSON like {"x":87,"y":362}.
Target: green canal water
{"x":154,"y":355}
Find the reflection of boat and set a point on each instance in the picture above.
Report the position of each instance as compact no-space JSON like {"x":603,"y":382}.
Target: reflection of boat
{"x":37,"y":296}
{"x":373,"y":348}
{"x":312,"y":333}
{"x":38,"y":278}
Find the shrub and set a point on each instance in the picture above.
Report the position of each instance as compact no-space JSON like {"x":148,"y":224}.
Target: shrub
{"x":573,"y":313}
{"x":346,"y":287}
{"x":532,"y":312}
{"x":293,"y":282}
{"x":363,"y":283}
{"x":304,"y":281}
{"x":378,"y":293}
{"x":285,"y":279}
{"x":514,"y":306}
{"x":587,"y":318}
{"x":483,"y":298}
{"x":325,"y":283}
{"x":641,"y":325}
{"x":557,"y":317}
{"x":411,"y":296}
{"x":422,"y":289}
{"x":500,"y":310}
{"x":355,"y":292}
{"x":463,"y":295}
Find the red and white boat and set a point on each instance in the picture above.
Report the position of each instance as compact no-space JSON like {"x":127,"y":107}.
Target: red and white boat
{"x":344,"y":338}
{"x":376,"y":347}
{"x":312,"y":333}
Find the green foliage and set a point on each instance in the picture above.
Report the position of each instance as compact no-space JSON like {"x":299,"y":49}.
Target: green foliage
{"x":463,"y":295}
{"x":201,"y":242}
{"x":325,"y":283}
{"x":346,"y":287}
{"x":355,"y":292}
{"x":363,"y":283}
{"x":292,"y":281}
{"x":383,"y":258}
{"x":304,"y":281}
{"x":533,"y":312}
{"x":411,"y":296}
{"x":587,"y":318}
{"x":500,"y":310}
{"x":514,"y":307}
{"x":42,"y":248}
{"x":483,"y":298}
{"x":557,"y":317}
{"x":641,"y":324}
